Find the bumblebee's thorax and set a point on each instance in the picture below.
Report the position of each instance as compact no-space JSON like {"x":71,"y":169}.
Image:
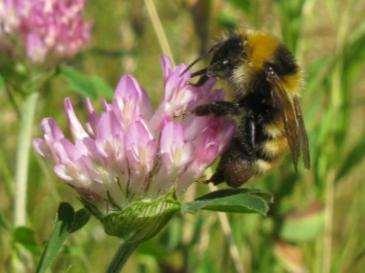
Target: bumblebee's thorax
{"x":262,"y":50}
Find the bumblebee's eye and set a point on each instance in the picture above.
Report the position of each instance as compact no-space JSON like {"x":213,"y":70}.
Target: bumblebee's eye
{"x":270,"y":72}
{"x":225,"y":62}
{"x":270,"y":69}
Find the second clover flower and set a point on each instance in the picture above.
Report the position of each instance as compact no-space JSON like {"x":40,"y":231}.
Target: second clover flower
{"x":128,"y":152}
{"x":47,"y":27}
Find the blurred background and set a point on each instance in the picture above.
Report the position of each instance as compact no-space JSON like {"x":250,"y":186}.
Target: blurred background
{"x":316,"y":223}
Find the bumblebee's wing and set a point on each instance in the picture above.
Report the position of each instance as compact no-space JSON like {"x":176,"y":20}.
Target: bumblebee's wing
{"x":304,"y":144}
{"x":289,"y":120}
{"x":293,"y":122}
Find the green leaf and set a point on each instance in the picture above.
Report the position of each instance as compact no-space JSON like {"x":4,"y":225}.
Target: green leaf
{"x":81,"y":217}
{"x":231,"y":200}
{"x":25,"y":236}
{"x":303,"y":229}
{"x":78,"y":82}
{"x":67,"y":221}
{"x":101,"y":87}
{"x":353,"y":158}
{"x":87,"y":85}
{"x":66,"y":213}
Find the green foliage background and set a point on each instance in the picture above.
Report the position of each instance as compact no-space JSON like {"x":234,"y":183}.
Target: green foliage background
{"x":317,"y":221}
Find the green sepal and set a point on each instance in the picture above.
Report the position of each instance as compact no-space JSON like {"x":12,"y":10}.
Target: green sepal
{"x":140,"y":220}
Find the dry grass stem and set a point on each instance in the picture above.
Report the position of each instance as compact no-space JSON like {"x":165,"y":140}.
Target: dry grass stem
{"x":157,"y":26}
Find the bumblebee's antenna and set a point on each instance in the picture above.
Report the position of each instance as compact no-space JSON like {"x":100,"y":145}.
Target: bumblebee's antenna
{"x":199,"y":72}
{"x":193,"y":63}
{"x":212,"y":49}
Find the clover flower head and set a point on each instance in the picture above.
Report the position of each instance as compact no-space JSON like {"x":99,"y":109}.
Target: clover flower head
{"x":8,"y":16}
{"x":46,"y":26}
{"x":130,"y":152}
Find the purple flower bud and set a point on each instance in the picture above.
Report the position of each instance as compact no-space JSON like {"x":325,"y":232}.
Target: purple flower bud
{"x":127,"y":152}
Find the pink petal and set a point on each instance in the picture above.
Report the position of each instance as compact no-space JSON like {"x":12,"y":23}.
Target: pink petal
{"x":211,"y":143}
{"x":132,"y":99}
{"x":41,"y":147}
{"x":176,"y":153}
{"x":61,"y":171}
{"x":167,"y":67}
{"x":65,"y":151}
{"x":103,"y":130}
{"x":51,"y":129}
{"x":93,"y":118}
{"x":141,"y":146}
{"x":77,"y":130}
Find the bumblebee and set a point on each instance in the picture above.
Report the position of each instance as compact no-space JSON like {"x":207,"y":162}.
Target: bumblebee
{"x":265,"y":80}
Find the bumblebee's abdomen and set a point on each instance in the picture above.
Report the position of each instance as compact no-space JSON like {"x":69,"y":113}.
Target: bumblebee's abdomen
{"x":244,"y":159}
{"x":258,"y":144}
{"x":269,"y":152}
{"x":235,"y":166}
{"x":270,"y":141}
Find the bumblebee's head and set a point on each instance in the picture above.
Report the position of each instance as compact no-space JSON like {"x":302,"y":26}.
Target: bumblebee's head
{"x":240,"y":56}
{"x":226,"y":57}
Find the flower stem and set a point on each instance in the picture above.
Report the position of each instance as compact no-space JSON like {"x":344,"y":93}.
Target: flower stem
{"x":121,"y":256}
{"x":22,"y":158}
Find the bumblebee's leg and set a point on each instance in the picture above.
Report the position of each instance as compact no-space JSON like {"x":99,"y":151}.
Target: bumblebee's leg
{"x":247,"y":132}
{"x":235,"y":166}
{"x":217,"y":108}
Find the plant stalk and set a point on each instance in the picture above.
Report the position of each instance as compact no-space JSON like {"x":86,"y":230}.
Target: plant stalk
{"x":121,"y":256}
{"x":22,"y":158}
{"x":228,"y":234}
{"x":157,"y":25}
